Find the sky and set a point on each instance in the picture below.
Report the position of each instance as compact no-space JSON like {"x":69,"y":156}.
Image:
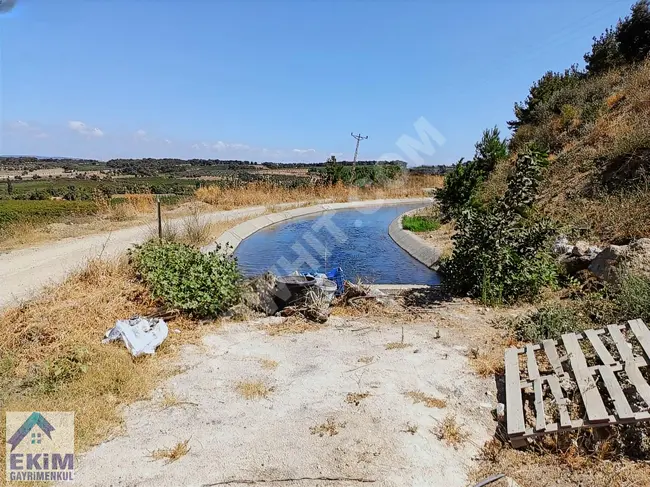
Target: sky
{"x":278,"y":80}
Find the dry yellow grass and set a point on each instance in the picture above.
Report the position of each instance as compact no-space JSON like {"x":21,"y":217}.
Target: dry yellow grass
{"x":253,"y":389}
{"x":172,"y":454}
{"x":489,"y":364}
{"x":397,"y":345}
{"x":428,"y":401}
{"x":366,"y":360}
{"x":329,"y":427}
{"x":356,"y":397}
{"x":293,"y":325}
{"x":269,"y":364}
{"x":451,"y":432}
{"x":264,"y":193}
{"x":52,"y":358}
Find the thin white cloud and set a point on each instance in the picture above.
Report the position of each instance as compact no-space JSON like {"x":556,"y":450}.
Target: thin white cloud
{"x":304,"y":151}
{"x":168,"y":142}
{"x":28,"y":129}
{"x":19,"y":124}
{"x":83,"y":129}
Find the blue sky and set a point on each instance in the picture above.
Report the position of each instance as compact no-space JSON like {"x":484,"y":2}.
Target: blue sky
{"x":276,"y":80}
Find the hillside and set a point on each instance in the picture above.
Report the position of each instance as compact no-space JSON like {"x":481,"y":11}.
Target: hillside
{"x":595,"y":125}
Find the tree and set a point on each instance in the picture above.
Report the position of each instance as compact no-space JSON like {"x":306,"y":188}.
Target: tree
{"x":10,"y":187}
{"x":605,"y":53}
{"x":490,"y":150}
{"x":633,"y":33}
{"x":541,"y":91}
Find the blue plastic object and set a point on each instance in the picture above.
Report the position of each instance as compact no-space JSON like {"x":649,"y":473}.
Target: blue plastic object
{"x":336,"y":275}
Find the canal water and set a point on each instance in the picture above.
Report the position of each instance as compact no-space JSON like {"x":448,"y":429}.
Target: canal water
{"x":356,"y":240}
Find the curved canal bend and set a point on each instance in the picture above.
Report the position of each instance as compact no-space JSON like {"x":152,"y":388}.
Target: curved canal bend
{"x":356,"y":240}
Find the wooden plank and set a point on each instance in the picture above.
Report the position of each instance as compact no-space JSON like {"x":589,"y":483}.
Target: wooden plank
{"x":560,"y":400}
{"x":533,"y":370}
{"x":540,"y":419}
{"x":600,"y":348}
{"x":642,"y":387}
{"x":621,"y":345}
{"x":623,"y":409}
{"x":514,"y":403}
{"x":642,"y":334}
{"x":596,"y":411}
{"x":553,"y":357}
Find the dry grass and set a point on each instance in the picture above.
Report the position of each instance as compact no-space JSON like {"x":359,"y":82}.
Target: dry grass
{"x":171,"y":400}
{"x":172,"y":454}
{"x":269,"y":364}
{"x":397,"y":345}
{"x":264,"y":193}
{"x":329,"y":427}
{"x":411,"y":428}
{"x":356,"y":397}
{"x":253,"y":389}
{"x":489,"y":364}
{"x":293,"y":325}
{"x":366,"y":360}
{"x":52,"y":357}
{"x":451,"y":432}
{"x":543,"y":467}
{"x":428,"y":401}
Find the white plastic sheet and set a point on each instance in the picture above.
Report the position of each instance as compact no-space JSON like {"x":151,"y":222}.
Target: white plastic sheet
{"x":140,"y":335}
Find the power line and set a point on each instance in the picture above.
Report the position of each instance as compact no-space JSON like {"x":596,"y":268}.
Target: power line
{"x":359,"y":138}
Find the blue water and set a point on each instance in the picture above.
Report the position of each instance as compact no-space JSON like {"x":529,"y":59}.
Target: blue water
{"x":356,"y":240}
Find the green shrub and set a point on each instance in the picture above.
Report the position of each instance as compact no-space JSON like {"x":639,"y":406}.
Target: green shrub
{"x":184,"y":278}
{"x":34,"y":211}
{"x":463,"y":183}
{"x":501,"y":253}
{"x":420,"y":223}
{"x":632,"y":297}
{"x":549,"y":322}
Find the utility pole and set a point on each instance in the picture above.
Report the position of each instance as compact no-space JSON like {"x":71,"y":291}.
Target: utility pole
{"x":359,"y":138}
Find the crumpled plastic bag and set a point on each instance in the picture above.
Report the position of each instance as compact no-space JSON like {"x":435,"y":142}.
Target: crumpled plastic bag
{"x":140,"y":335}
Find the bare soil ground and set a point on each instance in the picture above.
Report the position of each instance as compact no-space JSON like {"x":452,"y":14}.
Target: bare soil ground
{"x":335,"y":402}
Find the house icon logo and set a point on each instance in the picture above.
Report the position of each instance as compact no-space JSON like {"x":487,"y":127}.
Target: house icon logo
{"x":39,"y":446}
{"x":35,"y":419}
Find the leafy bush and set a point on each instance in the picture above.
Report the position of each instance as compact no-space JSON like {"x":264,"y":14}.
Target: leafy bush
{"x":420,"y":223}
{"x":183,"y":277}
{"x":464,"y":181}
{"x":501,"y":253}
{"x":549,"y":322}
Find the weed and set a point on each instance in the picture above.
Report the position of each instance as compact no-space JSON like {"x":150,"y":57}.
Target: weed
{"x":451,"y":432}
{"x":366,"y":360}
{"x":428,"y":401}
{"x":632,"y":297}
{"x":269,"y":364}
{"x":186,"y":279}
{"x":329,"y":427}
{"x":489,"y":364}
{"x":411,"y":428}
{"x":397,"y":345}
{"x":549,"y":321}
{"x":172,"y":454}
{"x":255,"y":389}
{"x":291,"y":326}
{"x":170,"y":400}
{"x":356,"y":397}
{"x":420,"y":223}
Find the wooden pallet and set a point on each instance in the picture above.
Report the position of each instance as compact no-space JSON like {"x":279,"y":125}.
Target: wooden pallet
{"x":600,"y":388}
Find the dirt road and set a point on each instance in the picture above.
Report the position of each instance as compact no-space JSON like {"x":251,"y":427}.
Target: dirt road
{"x":24,"y":272}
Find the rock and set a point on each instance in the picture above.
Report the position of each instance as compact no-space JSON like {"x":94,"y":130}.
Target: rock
{"x":562,"y":246}
{"x":605,"y":263}
{"x":638,"y":257}
{"x":572,"y":264}
{"x":580,"y":249}
{"x":501,"y":411}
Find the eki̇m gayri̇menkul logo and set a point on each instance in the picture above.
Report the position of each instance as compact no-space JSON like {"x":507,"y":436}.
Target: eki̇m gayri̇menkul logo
{"x":40,"y":446}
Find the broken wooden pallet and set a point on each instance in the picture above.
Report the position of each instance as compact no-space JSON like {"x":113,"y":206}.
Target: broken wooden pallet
{"x":603,"y":368}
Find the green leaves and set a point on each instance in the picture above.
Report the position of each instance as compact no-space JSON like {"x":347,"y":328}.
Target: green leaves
{"x":500,"y":253}
{"x":183,"y":277}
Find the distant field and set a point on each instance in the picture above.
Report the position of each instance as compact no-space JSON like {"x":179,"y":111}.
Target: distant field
{"x":59,"y":187}
{"x":18,"y":211}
